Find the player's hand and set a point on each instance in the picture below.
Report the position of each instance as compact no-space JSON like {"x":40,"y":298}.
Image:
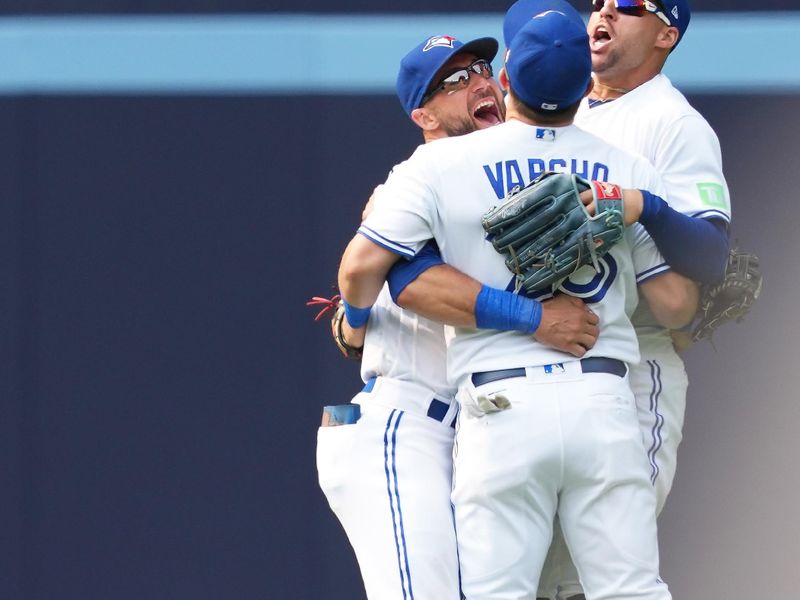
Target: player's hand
{"x":632,"y":200}
{"x":568,"y":325}
{"x":353,"y":337}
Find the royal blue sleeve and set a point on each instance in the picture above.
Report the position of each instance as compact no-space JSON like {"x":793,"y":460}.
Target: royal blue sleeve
{"x":694,"y":247}
{"x":405,"y":271}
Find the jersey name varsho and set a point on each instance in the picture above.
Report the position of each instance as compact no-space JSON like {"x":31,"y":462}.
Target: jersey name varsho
{"x":506,"y":175}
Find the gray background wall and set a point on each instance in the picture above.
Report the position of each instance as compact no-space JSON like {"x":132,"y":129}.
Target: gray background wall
{"x":161,"y":380}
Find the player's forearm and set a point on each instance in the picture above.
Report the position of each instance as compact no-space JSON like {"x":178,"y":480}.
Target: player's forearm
{"x":672,"y":299}
{"x":442,"y":294}
{"x":362,"y":271}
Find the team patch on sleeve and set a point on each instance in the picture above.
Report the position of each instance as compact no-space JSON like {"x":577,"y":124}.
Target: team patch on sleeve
{"x":712,"y":194}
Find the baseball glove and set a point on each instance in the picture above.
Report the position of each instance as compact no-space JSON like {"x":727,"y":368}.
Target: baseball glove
{"x":731,"y":298}
{"x":336,"y":308}
{"x":545,"y":232}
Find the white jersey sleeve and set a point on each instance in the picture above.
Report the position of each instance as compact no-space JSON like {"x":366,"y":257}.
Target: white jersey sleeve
{"x":689,"y":159}
{"x":404,"y":223}
{"x":647,"y":260}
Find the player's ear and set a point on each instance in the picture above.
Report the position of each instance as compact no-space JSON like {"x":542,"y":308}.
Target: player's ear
{"x":502,"y":79}
{"x":667,"y":38}
{"x":424,"y":119}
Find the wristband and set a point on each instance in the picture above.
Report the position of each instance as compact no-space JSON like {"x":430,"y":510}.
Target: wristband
{"x":506,"y":311}
{"x":356,"y":317}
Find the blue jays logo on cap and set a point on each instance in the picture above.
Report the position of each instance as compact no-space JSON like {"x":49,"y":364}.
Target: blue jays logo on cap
{"x":443,"y":41}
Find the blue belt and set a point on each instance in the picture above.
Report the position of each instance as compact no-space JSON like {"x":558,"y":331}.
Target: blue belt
{"x":437,"y":409}
{"x":596,"y":364}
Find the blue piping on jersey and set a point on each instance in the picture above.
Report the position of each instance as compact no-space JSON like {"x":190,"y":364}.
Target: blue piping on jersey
{"x":655,"y":395}
{"x":652,"y":272}
{"x":394,"y":498}
{"x":384,"y":242}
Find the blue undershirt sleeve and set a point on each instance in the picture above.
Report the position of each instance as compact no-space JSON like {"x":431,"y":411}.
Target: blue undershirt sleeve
{"x":696,"y":248}
{"x":405,"y":271}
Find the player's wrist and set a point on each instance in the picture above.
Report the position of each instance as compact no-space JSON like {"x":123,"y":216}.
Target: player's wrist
{"x":650,"y":206}
{"x":632,"y":201}
{"x":356,"y":317}
{"x":506,"y":311}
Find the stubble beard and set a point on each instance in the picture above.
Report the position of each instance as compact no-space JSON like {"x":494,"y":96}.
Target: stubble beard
{"x":458,"y":126}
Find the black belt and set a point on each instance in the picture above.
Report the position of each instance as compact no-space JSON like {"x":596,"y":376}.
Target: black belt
{"x":596,"y":364}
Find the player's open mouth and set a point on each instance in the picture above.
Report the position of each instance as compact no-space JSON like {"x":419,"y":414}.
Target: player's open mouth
{"x":486,"y":113}
{"x":600,"y":37}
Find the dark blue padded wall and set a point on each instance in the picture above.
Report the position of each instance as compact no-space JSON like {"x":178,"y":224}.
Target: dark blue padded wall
{"x":162,"y":378}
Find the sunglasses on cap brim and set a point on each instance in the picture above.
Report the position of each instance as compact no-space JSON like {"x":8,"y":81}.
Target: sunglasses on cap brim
{"x":459,"y":79}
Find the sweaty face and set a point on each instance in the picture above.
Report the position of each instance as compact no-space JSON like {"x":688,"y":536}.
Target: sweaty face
{"x":621,"y":43}
{"x":476,"y":105}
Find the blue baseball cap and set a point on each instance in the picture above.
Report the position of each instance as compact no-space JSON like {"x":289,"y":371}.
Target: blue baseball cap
{"x":523,"y":11}
{"x":549,"y":63}
{"x":419,"y":67}
{"x":678,"y":12}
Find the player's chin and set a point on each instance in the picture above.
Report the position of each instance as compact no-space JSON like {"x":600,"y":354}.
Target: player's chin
{"x":601,"y":55}
{"x":600,"y":62}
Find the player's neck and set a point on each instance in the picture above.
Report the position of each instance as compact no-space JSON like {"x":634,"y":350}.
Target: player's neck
{"x":514,"y":115}
{"x":606,"y":91}
{"x":434,"y":134}
{"x":614,"y":84}
{"x":512,"y":112}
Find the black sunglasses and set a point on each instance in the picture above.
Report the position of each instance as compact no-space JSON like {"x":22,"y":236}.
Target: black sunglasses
{"x":459,"y":79}
{"x":636,"y":8}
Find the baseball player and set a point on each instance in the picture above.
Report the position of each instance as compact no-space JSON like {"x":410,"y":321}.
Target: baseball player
{"x":539,"y":432}
{"x":387,"y":476}
{"x":636,"y":107}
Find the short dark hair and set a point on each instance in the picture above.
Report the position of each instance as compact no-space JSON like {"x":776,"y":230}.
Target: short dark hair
{"x":545,"y":117}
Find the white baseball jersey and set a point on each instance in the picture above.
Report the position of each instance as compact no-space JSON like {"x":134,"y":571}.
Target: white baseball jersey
{"x":455,"y":181}
{"x":402,"y":345}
